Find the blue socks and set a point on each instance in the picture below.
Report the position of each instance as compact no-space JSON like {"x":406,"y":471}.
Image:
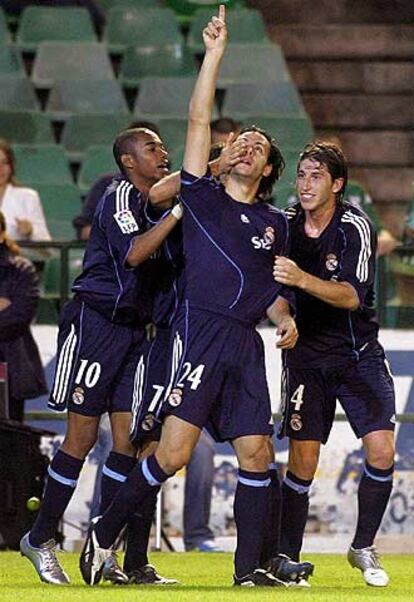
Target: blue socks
{"x":295,"y":507}
{"x":132,"y":494}
{"x":63,"y":472}
{"x":250,"y":507}
{"x":373,"y":494}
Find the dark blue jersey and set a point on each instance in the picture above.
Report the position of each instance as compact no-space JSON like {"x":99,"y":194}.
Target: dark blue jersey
{"x":168,"y":273}
{"x":123,"y":295}
{"x":229,"y":249}
{"x":344,"y":252}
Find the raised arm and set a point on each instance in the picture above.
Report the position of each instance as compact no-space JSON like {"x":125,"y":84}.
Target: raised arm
{"x":197,"y":145}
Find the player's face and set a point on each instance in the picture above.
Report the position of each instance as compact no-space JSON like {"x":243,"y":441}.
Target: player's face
{"x":5,"y":169}
{"x":150,"y":158}
{"x":315,"y":186}
{"x":253,"y":163}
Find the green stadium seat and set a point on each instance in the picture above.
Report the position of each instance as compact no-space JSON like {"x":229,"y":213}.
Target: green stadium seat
{"x":288,"y":177}
{"x":189,"y":7}
{"x":42,"y":164}
{"x":106,"y":5}
{"x":290,"y":132}
{"x":173,"y":132}
{"x":69,"y":97}
{"x":61,"y":203}
{"x":21,"y":127}
{"x":17,"y":93}
{"x":164,"y":97}
{"x":50,"y":283}
{"x":283,"y":195}
{"x":68,"y":60}
{"x":145,"y":27}
{"x":10,"y":61}
{"x":246,"y":26}
{"x":82,"y":131}
{"x":176,"y":157}
{"x":165,"y":61}
{"x":255,"y":63}
{"x":4,"y":30}
{"x":268,"y":99}
{"x":98,"y":161}
{"x":47,"y":23}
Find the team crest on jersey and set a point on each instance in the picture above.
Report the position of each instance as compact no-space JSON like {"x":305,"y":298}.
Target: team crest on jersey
{"x":148,"y":422}
{"x":175,"y":397}
{"x":331,"y":262}
{"x":126,"y":221}
{"x":78,"y":396}
{"x":269,"y":235}
{"x":296,"y":422}
{"x":244,"y":219}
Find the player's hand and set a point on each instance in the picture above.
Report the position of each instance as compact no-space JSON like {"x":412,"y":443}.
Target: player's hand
{"x":286,"y":271}
{"x":233,"y":151}
{"x":24,"y":227}
{"x":287,"y":332}
{"x":215,"y":34}
{"x":4,"y":303}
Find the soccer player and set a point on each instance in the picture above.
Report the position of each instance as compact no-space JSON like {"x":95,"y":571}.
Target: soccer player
{"x":218,"y":373}
{"x":338,"y":356}
{"x":101,"y":335}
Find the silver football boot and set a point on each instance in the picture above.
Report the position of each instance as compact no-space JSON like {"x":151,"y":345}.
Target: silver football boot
{"x":368,"y":561}
{"x":44,"y":561}
{"x":112,"y":571}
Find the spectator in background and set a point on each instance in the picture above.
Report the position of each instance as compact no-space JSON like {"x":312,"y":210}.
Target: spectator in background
{"x":18,"y":302}
{"x":221,"y":128}
{"x":21,"y":206}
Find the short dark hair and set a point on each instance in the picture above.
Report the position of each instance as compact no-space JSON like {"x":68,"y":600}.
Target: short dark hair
{"x":275,"y":159}
{"x":124,"y":145}
{"x":149,"y":125}
{"x":332,"y":157}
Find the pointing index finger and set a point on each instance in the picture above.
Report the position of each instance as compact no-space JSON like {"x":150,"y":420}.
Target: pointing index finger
{"x":222,"y":13}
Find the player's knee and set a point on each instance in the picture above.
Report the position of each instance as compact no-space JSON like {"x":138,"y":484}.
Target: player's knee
{"x":381,"y":457}
{"x":255,"y":459}
{"x":173,"y":460}
{"x":78,"y":446}
{"x":304,"y":464}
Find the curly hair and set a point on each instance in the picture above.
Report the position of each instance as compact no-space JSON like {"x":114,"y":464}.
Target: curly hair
{"x":6,"y":148}
{"x":275,"y":159}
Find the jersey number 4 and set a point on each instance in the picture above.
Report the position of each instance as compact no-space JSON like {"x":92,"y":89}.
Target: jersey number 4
{"x":297,"y":397}
{"x":192,"y":376}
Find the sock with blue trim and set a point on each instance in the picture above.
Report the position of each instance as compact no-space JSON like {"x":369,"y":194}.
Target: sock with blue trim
{"x":132,"y":494}
{"x":295,"y":508}
{"x":250,"y":506}
{"x":63,"y":472}
{"x":114,"y":473}
{"x":373,"y":494}
{"x":271,"y":538}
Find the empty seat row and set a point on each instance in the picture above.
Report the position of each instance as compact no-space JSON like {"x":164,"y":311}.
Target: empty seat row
{"x":54,"y":61}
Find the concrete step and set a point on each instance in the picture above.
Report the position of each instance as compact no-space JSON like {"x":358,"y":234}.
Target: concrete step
{"x":339,"y":11}
{"x":359,"y":111}
{"x":371,"y":148}
{"x":347,"y":76}
{"x":344,"y":41}
{"x":386,"y":184}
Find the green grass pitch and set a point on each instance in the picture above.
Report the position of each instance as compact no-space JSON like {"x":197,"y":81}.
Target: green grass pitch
{"x":205,"y":577}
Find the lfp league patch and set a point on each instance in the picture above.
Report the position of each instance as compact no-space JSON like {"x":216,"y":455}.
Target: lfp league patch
{"x":126,"y":221}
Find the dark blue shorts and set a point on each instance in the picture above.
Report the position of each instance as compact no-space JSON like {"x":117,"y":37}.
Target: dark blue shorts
{"x":217,"y":376}
{"x":152,"y":372}
{"x":96,"y":363}
{"x":364,"y":388}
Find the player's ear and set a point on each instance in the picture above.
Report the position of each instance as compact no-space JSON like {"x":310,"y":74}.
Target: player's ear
{"x":337,"y":185}
{"x":267,"y":170}
{"x":127,"y":161}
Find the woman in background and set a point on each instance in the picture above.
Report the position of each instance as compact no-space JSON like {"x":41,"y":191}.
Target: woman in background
{"x":19,"y":295}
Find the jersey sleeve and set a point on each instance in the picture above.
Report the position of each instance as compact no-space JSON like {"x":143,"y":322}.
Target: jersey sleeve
{"x":357,"y":264}
{"x":194,"y":188}
{"x":122,"y":217}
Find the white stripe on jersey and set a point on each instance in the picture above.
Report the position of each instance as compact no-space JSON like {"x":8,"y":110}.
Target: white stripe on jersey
{"x":122,"y":193}
{"x":175,"y":361}
{"x":137,"y":392}
{"x":64,"y":367}
{"x":364,"y":232}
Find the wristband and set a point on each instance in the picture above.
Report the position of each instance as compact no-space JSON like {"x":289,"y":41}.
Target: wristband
{"x":177,"y":211}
